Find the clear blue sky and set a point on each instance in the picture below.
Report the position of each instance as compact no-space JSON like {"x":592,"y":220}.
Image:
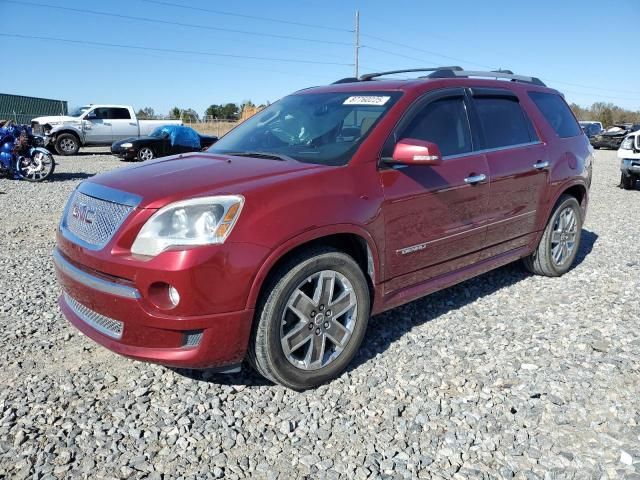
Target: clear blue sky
{"x":583,"y":48}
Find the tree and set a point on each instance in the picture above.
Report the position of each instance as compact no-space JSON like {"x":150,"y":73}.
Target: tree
{"x":175,"y":112}
{"x":228,"y":111}
{"x":190,"y":115}
{"x":146,"y":113}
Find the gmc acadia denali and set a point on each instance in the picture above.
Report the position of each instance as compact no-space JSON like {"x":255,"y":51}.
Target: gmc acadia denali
{"x":333,"y":204}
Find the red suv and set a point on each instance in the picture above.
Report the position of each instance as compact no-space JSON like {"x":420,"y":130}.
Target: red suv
{"x":335,"y":203}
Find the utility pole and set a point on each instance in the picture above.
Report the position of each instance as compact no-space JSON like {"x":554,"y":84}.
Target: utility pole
{"x":357,"y":43}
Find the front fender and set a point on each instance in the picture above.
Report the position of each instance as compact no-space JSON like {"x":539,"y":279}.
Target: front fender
{"x":41,"y":150}
{"x":67,"y":128}
{"x":306,"y":237}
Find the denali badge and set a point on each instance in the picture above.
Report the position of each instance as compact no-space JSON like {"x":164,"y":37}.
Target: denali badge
{"x":83,"y":213}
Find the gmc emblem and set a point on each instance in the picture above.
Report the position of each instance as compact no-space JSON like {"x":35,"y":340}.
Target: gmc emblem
{"x":83,"y":213}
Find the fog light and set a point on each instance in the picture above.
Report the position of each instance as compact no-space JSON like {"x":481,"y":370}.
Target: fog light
{"x":174,"y":296}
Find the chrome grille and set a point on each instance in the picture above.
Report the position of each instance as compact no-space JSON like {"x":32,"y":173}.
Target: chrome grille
{"x":37,"y":129}
{"x":105,"y":325}
{"x":92,"y":220}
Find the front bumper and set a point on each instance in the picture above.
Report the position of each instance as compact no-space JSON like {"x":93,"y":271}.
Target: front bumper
{"x":115,"y":313}
{"x":630,"y":166}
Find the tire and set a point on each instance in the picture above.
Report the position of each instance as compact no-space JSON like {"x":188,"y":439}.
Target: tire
{"x":67,"y":144}
{"x":560,"y":240}
{"x":146,"y":153}
{"x":628,"y":182}
{"x":46,"y":164}
{"x":309,"y":332}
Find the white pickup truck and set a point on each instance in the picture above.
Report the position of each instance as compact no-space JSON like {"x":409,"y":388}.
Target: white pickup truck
{"x":93,"y":125}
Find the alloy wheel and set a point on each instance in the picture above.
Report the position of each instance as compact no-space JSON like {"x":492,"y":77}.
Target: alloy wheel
{"x":67,"y":145}
{"x":145,"y":154}
{"x":563,"y":237}
{"x":318,"y":320}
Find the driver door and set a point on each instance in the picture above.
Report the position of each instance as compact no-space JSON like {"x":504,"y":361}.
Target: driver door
{"x":435,"y":215}
{"x":97,"y":126}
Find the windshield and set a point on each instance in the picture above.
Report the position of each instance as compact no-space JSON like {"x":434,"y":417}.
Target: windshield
{"x":159,"y":132}
{"x":80,"y":111}
{"x":322,"y":128}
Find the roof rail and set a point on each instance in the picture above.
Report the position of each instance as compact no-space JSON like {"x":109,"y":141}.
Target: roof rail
{"x":370,"y":76}
{"x":506,"y":74}
{"x":449,"y":72}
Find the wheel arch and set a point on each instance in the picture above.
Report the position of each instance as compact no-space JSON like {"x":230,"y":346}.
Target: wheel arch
{"x":349,"y":239}
{"x":70,"y":131}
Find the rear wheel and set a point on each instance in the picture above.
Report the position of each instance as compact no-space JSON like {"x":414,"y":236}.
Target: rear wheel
{"x":145,"y":153}
{"x":560,"y":241}
{"x":67,"y":144}
{"x":312,"y":319}
{"x":628,"y":182}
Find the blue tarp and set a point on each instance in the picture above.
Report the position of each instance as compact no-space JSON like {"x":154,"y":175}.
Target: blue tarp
{"x":179,"y":135}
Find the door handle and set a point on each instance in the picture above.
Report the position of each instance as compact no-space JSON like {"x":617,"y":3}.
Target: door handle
{"x":472,"y":180}
{"x":541,"y":165}
{"x":133,"y":124}
{"x":108,"y":124}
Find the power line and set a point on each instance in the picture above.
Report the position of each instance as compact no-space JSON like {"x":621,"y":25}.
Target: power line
{"x":167,"y":22}
{"x":170,"y":50}
{"x":398,"y":44}
{"x":251,"y":17}
{"x":379,"y":39}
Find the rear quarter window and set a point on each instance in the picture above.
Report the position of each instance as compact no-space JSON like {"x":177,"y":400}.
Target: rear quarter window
{"x":557,"y":113}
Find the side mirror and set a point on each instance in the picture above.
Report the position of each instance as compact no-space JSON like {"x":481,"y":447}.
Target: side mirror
{"x":410,"y":151}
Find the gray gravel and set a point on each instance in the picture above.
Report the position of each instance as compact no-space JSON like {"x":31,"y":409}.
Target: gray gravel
{"x":504,"y":376}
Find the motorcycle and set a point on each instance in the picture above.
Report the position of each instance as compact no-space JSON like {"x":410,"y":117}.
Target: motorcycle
{"x":20,"y":157}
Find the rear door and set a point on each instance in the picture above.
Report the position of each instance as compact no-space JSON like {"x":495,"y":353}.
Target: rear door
{"x":434,"y":217}
{"x":518,"y":166}
{"x":123,"y":126}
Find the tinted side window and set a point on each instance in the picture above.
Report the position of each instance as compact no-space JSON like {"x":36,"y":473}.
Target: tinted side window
{"x":119,"y":114}
{"x":556,"y":111}
{"x":443,"y":122}
{"x":100,"y":113}
{"x":503,"y":121}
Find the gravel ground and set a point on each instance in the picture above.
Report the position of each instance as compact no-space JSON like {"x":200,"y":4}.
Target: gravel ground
{"x":504,"y":376}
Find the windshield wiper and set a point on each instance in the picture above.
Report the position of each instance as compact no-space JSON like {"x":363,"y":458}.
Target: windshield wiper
{"x":269,"y":155}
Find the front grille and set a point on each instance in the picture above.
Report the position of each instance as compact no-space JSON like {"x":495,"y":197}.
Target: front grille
{"x":92,"y":220}
{"x":105,"y":325}
{"x":37,"y":129}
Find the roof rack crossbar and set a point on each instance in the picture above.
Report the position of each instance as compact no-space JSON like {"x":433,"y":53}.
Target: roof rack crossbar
{"x":370,"y":76}
{"x":505,"y":74}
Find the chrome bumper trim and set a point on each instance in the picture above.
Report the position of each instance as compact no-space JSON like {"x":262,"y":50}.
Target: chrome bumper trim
{"x":92,"y":281}
{"x":103,"y":324}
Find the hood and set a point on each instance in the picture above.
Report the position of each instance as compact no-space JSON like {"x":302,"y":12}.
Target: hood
{"x":55,"y":119}
{"x":160,"y":182}
{"x":134,"y":140}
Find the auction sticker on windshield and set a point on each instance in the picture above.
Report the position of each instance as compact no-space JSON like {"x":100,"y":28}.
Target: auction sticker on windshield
{"x":366,"y":100}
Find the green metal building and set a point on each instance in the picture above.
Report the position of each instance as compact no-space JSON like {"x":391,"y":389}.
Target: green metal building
{"x":22,"y":109}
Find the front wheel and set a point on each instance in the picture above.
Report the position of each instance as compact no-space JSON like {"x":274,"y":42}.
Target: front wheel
{"x":311,"y":320}
{"x":37,"y":168}
{"x":560,"y":241}
{"x":67,"y":144}
{"x":628,"y":182}
{"x":145,"y":153}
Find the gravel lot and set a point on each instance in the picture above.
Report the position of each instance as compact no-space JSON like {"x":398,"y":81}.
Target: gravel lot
{"x":504,"y":376}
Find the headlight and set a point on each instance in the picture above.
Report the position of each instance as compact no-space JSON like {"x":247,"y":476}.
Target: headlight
{"x":126,"y":145}
{"x":627,"y":144}
{"x":199,"y":221}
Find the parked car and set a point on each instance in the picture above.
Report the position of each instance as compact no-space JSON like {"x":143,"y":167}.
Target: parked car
{"x":629,"y":155}
{"x":332,"y":204}
{"x":613,"y":136}
{"x":161,"y":142}
{"x":591,"y":129}
{"x":93,"y":125}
